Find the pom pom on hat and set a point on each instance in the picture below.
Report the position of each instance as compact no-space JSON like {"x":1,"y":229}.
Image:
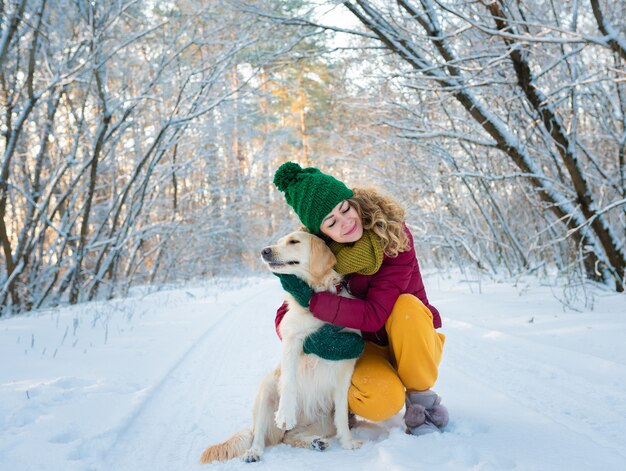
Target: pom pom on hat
{"x":311,"y":193}
{"x":286,"y":175}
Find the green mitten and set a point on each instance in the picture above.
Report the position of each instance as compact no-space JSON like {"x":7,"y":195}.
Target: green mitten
{"x":331,"y":344}
{"x":296,"y":287}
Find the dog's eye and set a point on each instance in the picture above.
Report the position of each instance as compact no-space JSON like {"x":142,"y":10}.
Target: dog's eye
{"x":293,"y":241}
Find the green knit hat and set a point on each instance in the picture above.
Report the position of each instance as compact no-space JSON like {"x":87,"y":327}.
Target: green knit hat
{"x":311,"y":193}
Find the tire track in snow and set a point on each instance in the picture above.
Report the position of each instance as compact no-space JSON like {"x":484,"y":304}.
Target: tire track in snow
{"x":168,"y":430}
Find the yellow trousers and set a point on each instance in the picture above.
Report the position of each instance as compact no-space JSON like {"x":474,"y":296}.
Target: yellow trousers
{"x":411,"y":361}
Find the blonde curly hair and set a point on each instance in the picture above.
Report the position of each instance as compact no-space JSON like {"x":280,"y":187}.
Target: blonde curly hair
{"x":384,"y":216}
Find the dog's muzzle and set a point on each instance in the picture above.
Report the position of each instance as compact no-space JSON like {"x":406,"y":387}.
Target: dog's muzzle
{"x":269,"y":257}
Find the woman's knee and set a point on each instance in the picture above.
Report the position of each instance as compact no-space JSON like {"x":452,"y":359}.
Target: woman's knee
{"x":376,"y":397}
{"x":409,"y":314}
{"x":416,"y":347}
{"x":408,"y":305}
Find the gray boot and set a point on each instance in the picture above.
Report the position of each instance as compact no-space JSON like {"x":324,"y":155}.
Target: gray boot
{"x":424,"y":412}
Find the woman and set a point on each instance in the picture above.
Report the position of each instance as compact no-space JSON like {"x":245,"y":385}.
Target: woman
{"x":374,"y":250}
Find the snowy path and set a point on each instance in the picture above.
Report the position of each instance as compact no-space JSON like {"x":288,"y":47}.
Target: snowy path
{"x":174,"y":422}
{"x":552,"y":382}
{"x":149,"y":383}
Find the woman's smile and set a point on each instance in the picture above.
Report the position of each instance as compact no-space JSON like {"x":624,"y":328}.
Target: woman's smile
{"x":351,"y":231}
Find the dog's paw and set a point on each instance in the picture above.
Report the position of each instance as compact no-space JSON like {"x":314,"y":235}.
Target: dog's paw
{"x":320,"y":444}
{"x":252,"y":456}
{"x":285,"y":421}
{"x":351,"y":444}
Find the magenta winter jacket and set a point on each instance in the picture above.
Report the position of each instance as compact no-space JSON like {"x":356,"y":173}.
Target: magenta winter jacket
{"x":376,"y":295}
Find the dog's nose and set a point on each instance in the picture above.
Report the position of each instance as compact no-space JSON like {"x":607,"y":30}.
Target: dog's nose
{"x":266,"y":252}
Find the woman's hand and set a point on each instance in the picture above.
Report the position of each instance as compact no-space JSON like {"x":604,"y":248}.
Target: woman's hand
{"x":329,"y":343}
{"x":296,"y":287}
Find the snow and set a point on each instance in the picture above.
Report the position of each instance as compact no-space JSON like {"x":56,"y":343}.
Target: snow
{"x":146,"y":383}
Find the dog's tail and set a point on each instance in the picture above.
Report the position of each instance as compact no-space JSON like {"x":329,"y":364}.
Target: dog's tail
{"x":232,"y":448}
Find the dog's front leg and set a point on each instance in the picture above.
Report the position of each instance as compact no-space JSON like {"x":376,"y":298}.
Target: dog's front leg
{"x":264,"y":432}
{"x":341,"y":407}
{"x":286,"y":415}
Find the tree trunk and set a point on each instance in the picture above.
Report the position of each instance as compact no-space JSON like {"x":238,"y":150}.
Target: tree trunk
{"x":585,"y":225}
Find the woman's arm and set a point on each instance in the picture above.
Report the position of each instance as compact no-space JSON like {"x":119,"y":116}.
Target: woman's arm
{"x":282,"y":310}
{"x":371,"y":313}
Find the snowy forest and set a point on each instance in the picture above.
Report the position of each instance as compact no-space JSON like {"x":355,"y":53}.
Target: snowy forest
{"x":139,"y":138}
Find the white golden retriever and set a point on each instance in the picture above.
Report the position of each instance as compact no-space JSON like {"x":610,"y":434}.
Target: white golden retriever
{"x":304,"y":402}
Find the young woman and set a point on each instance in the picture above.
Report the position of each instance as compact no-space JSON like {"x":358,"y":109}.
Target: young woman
{"x":374,"y":250}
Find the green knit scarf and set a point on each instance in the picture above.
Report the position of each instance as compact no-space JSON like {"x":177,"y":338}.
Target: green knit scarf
{"x":365,"y":256}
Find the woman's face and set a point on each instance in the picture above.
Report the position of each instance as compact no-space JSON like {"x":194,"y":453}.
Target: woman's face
{"x":343,"y":224}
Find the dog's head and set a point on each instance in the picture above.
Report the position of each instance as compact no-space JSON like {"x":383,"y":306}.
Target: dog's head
{"x":304,"y":255}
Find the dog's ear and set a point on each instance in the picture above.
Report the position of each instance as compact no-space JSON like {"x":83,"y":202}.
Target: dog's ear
{"x":322,"y":260}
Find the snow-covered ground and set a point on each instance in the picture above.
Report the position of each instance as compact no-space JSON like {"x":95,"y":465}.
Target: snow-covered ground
{"x":148,"y":382}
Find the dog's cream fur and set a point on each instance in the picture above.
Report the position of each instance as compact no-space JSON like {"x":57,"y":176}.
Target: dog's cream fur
{"x":304,"y":401}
